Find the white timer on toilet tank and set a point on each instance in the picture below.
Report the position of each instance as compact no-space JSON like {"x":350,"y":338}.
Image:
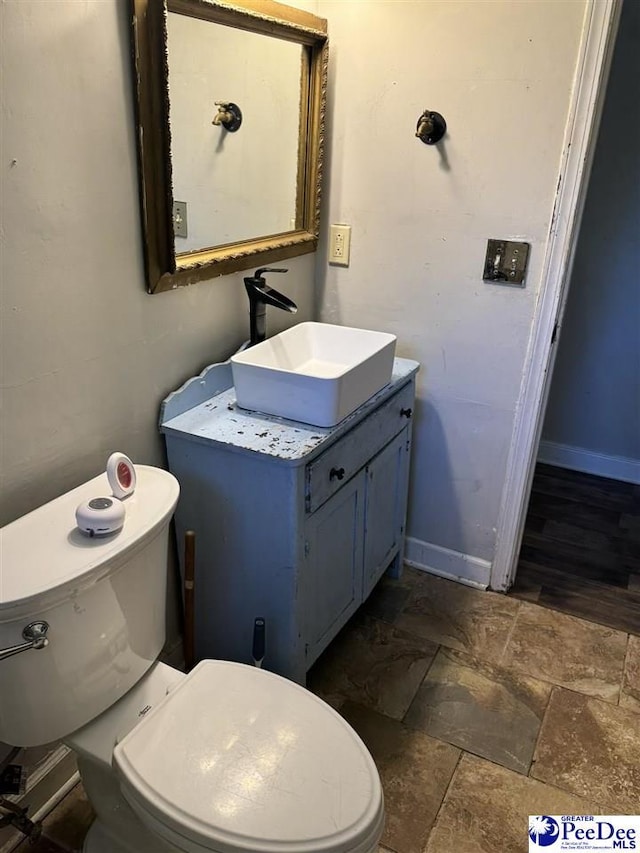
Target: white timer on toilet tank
{"x":100,"y":515}
{"x":121,"y":475}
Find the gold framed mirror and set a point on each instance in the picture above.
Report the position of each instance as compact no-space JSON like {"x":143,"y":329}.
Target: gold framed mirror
{"x":230,"y":109}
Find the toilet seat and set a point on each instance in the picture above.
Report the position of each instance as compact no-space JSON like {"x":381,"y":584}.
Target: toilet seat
{"x":238,"y":759}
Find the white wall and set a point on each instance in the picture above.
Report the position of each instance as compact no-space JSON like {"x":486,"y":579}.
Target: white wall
{"x":501,"y":73}
{"x":593,"y":415}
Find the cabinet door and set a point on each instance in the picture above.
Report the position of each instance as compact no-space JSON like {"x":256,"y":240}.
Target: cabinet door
{"x":332,"y":575}
{"x":385,"y":508}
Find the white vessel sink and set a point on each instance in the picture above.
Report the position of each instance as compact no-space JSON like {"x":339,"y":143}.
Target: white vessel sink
{"x":316,"y":373}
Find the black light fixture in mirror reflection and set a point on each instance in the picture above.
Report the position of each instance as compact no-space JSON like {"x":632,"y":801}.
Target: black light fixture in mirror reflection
{"x":252,"y":197}
{"x":229,"y":115}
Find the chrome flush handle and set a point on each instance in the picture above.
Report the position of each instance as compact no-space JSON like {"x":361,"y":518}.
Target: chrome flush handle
{"x":35,"y":636}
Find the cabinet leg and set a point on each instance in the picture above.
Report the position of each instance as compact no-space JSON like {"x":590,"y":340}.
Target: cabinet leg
{"x":394,"y":569}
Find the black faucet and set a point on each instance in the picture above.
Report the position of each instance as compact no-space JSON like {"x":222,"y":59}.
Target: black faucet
{"x":261,"y":295}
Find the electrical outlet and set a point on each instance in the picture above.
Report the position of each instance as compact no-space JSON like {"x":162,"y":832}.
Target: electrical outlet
{"x":339,"y":244}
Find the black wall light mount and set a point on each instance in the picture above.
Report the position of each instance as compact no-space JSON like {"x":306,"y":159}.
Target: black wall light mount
{"x":229,"y":115}
{"x":431,"y":127}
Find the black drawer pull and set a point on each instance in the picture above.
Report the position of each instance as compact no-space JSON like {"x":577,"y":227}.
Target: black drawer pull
{"x":336,"y":474}
{"x":405,"y":413}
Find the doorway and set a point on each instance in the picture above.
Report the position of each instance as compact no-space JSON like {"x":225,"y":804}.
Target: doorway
{"x":580,"y":551}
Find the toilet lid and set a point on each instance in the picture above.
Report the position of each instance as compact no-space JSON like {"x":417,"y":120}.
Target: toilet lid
{"x":237,"y":758}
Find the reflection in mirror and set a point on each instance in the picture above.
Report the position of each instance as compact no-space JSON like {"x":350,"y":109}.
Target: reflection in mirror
{"x":230,"y":106}
{"x":240,"y":184}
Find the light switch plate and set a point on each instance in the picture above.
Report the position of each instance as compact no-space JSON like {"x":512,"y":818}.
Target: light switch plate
{"x":180,"y":218}
{"x":506,"y":262}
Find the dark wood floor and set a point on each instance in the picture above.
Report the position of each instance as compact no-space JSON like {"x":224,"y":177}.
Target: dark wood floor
{"x":581,"y":548}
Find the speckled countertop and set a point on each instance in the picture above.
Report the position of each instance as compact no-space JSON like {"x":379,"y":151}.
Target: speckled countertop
{"x":220,"y":420}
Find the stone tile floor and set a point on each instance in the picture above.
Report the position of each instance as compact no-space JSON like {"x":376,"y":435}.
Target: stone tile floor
{"x":479,"y":710}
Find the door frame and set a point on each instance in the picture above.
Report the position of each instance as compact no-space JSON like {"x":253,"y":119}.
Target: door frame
{"x":587,"y":100}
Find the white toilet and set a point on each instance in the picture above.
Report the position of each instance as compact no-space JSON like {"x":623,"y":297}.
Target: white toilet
{"x":226,"y":759}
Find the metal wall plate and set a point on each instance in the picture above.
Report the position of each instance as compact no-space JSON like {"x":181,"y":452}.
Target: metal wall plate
{"x":506,"y":262}
{"x":180,"y":218}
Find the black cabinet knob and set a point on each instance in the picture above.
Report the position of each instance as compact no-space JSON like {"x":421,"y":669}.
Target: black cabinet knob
{"x":406,"y":413}
{"x":336,"y":474}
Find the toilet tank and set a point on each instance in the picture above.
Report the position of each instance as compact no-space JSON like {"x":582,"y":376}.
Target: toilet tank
{"x":104,"y":600}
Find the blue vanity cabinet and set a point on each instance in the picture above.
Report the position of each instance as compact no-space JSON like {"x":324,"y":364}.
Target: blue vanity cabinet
{"x":331,"y":579}
{"x":385,"y":508}
{"x":351,"y":540}
{"x":293,"y":523}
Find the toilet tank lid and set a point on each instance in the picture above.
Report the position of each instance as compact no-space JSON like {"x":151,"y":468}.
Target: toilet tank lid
{"x":43,"y":554}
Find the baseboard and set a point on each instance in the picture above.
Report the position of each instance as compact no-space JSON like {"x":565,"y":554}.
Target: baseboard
{"x":453,"y":565}
{"x":589,"y":462}
{"x":46,"y":786}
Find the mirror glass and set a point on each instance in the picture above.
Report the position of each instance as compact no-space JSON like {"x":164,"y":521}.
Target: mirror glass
{"x":235,"y":183}
{"x":230,"y":105}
